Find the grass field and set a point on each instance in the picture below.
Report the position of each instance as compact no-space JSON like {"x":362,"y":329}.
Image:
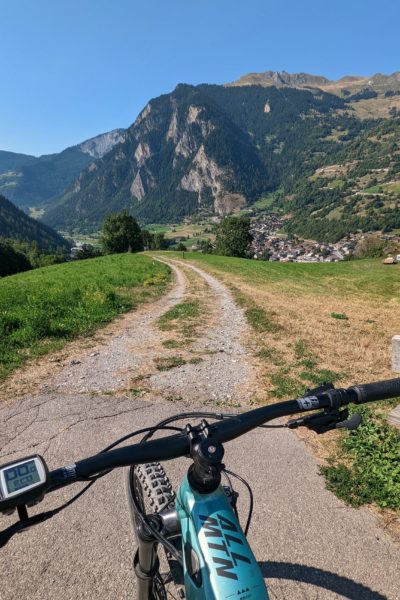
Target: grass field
{"x":393,"y":187}
{"x":42,"y":309}
{"x":313,"y":323}
{"x":303,"y":302}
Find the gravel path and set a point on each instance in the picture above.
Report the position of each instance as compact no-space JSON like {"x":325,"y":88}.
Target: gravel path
{"x":309,"y":544}
{"x":225,"y":371}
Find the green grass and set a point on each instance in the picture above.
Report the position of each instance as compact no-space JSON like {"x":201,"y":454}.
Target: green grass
{"x":339,"y":316}
{"x":287,"y":386}
{"x":374,"y":189}
{"x":42,"y":309}
{"x":258,"y":318}
{"x":271,"y":355}
{"x":336,"y":183}
{"x":164,"y":363}
{"x":386,"y":187}
{"x":136,"y":392}
{"x":357,"y":278}
{"x":393,"y":187}
{"x":157,"y":228}
{"x":371,"y":471}
{"x":264,"y":203}
{"x":171,"y":344}
{"x":294,"y":377}
{"x":190,"y":309}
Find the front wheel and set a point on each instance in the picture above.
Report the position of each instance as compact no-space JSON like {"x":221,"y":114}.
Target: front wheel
{"x":152,"y":489}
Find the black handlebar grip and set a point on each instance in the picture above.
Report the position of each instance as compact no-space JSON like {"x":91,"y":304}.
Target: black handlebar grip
{"x":381,"y":390}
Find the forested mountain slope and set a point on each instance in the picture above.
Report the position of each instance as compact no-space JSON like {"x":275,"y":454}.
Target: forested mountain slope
{"x":31,"y":181}
{"x":15,"y":224}
{"x":329,"y":150}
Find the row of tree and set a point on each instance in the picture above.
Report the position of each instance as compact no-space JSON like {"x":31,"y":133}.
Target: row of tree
{"x":18,"y":255}
{"x":121,"y":233}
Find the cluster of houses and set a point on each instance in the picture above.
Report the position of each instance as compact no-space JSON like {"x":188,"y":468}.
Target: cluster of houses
{"x":268,"y":244}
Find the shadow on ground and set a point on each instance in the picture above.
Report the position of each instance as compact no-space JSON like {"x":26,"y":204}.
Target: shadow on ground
{"x":319,"y":578}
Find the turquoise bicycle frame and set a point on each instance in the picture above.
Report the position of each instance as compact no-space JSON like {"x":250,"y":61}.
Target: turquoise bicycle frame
{"x":218,"y":561}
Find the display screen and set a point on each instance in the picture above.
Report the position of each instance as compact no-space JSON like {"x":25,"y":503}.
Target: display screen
{"x":21,"y":476}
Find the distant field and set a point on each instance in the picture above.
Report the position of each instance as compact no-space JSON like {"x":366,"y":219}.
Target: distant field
{"x":36,"y":213}
{"x":157,"y":228}
{"x":366,"y":279}
{"x":187,"y":230}
{"x":264,"y":203}
{"x":41,"y":309}
{"x":384,"y":187}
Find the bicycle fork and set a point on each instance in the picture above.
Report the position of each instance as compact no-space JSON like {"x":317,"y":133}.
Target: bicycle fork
{"x":145,"y":561}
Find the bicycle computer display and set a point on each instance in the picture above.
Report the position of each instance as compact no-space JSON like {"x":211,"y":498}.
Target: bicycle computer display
{"x":22,"y":482}
{"x":21,"y":476}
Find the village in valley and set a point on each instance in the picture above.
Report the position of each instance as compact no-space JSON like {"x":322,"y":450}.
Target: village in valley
{"x":269,"y":244}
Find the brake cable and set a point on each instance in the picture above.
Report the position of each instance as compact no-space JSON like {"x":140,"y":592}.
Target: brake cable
{"x":22,"y":525}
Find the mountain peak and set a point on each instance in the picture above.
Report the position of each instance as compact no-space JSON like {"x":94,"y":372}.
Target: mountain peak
{"x":379,"y":82}
{"x":99,"y":145}
{"x":282,"y":78}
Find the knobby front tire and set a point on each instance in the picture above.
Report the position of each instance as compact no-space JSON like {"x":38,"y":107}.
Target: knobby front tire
{"x":154,"y":492}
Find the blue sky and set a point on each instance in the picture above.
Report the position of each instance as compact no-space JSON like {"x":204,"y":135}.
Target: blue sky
{"x":71,"y":69}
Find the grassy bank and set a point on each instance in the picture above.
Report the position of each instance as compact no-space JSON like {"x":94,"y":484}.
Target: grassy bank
{"x":42,"y":309}
{"x":361,"y":278}
{"x":312,"y":323}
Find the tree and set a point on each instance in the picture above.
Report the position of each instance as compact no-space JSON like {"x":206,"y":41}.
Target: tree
{"x":154,"y":241}
{"x":147,"y":239}
{"x":160,"y":243}
{"x":121,"y":233}
{"x":233,"y":237}
{"x":87,"y":251}
{"x":206,"y":247}
{"x":12,"y":261}
{"x":369,"y":247}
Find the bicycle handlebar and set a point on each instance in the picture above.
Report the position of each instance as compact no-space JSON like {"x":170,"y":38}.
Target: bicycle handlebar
{"x":326,"y":397}
{"x":178,"y":445}
{"x":381,"y":390}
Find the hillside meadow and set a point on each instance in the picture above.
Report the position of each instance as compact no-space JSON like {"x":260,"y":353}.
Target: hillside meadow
{"x":311,"y":321}
{"x":41,"y":310}
{"x":315,"y":323}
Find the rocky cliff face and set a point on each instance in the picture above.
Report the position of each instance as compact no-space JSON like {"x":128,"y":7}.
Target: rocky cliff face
{"x":98,"y":146}
{"x":167,"y":165}
{"x":205,"y":149}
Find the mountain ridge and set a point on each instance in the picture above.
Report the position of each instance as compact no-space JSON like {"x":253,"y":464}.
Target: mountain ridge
{"x":197,"y":149}
{"x":378,"y":82}
{"x":330,"y":157}
{"x":34,"y":181}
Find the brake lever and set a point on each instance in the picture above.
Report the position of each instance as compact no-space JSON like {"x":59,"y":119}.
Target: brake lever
{"x":351,"y":423}
{"x":327,"y":421}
